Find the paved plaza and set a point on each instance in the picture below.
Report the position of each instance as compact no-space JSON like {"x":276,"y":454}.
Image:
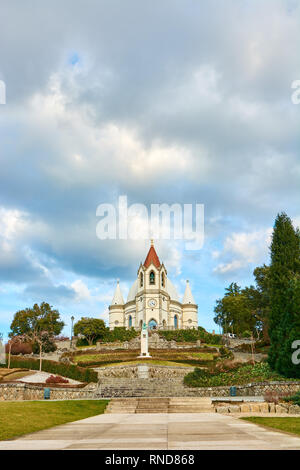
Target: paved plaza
{"x":184,"y":431}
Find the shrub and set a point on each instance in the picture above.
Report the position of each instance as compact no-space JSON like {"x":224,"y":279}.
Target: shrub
{"x":294,"y":398}
{"x":191,"y":335}
{"x":119,"y":334}
{"x":48,"y":346}
{"x":56,"y":379}
{"x":19,"y":348}
{"x":83,"y":342}
{"x":246,"y":334}
{"x":271,"y":396}
{"x":67,"y":370}
{"x":224,"y":352}
{"x":241,"y":374}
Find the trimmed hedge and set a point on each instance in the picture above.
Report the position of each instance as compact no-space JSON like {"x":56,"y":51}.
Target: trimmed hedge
{"x":191,"y":335}
{"x":67,"y":370}
{"x":119,"y":333}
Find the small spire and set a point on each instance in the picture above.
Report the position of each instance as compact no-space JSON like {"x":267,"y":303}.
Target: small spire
{"x":118,"y":298}
{"x":188,"y":296}
{"x":152,"y":242}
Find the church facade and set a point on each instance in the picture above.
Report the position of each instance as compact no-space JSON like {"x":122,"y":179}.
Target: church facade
{"x":153,"y":300}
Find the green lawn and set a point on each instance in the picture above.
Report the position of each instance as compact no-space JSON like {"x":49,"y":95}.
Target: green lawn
{"x":168,"y":359}
{"x":18,"y":418}
{"x":291,"y":424}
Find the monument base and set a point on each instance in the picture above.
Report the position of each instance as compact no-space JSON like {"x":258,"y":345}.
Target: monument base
{"x":145,"y":356}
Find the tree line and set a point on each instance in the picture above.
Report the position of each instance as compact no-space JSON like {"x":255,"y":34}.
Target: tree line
{"x":270,"y":308}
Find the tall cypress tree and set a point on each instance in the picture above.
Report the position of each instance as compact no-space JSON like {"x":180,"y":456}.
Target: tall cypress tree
{"x":285,"y":257}
{"x":290,"y":331}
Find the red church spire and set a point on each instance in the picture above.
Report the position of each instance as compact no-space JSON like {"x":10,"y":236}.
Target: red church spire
{"x":152,"y":257}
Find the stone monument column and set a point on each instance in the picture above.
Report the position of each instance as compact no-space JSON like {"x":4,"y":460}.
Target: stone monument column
{"x":144,"y":342}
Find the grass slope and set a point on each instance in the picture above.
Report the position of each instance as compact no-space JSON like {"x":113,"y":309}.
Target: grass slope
{"x":21,"y":418}
{"x":286,"y":424}
{"x":192,"y":358}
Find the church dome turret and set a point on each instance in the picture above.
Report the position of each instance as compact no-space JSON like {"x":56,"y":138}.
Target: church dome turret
{"x":118,"y":297}
{"x":188,"y":296}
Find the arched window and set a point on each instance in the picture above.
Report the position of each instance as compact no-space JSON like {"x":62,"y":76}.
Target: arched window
{"x":141,"y":324}
{"x":130,"y":321}
{"x":162,"y":279}
{"x":152,"y":278}
{"x":175,"y":322}
{"x":164,"y":324}
{"x":152,"y":324}
{"x":141,"y":280}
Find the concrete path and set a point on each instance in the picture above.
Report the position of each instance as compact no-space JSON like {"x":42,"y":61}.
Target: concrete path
{"x":156,"y":431}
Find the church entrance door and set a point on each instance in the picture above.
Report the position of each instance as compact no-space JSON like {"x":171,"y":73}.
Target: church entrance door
{"x":152,"y":324}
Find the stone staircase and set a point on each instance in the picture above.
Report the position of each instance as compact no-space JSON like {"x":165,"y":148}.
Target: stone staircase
{"x":150,"y":405}
{"x":135,"y":388}
{"x":161,"y":405}
{"x":122,"y":405}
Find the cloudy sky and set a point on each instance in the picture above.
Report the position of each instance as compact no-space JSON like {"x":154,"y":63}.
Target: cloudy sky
{"x":165,"y":102}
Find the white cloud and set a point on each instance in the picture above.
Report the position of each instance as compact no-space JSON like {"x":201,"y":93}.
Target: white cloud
{"x":81,"y":290}
{"x":242,"y":249}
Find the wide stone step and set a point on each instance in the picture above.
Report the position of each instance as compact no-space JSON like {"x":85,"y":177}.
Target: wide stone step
{"x":190,"y":410}
{"x":157,"y":405}
{"x":165,"y":410}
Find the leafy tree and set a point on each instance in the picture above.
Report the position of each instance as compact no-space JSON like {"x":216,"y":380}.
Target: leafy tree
{"x":285,"y":263}
{"x":90,"y":328}
{"x":36,"y":337}
{"x":233,"y":312}
{"x":38,"y":318}
{"x":258,"y":300}
{"x":262,"y":279}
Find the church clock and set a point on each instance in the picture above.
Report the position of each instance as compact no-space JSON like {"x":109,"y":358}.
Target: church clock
{"x":152,"y":303}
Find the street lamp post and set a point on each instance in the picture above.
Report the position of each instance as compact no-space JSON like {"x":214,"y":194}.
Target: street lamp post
{"x":71,"y":344}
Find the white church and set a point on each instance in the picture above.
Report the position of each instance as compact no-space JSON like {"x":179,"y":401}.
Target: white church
{"x":153,"y":300}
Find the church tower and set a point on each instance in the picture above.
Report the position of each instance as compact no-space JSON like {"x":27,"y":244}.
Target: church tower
{"x":153,"y":300}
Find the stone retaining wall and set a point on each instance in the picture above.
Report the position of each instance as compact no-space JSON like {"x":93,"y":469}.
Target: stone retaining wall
{"x":174,"y":387}
{"x":155,"y":341}
{"x":148,"y":371}
{"x":282,"y":408}
{"x":14,"y":391}
{"x":140,"y":387}
{"x":150,"y":380}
